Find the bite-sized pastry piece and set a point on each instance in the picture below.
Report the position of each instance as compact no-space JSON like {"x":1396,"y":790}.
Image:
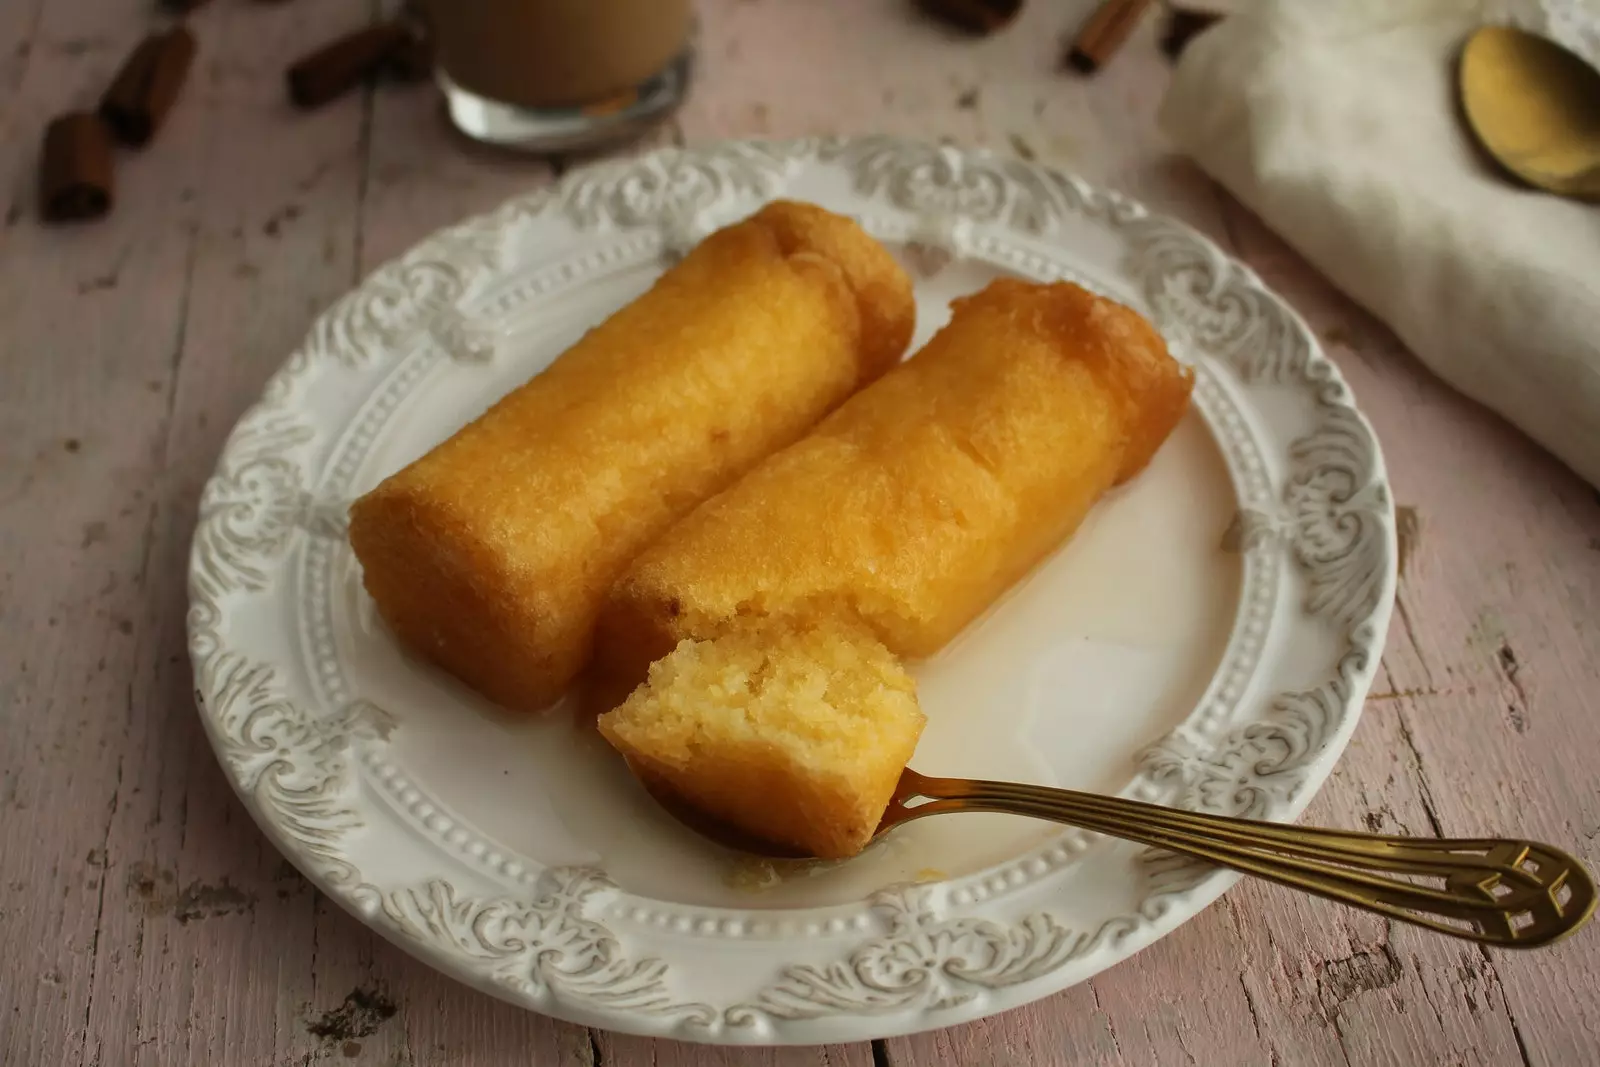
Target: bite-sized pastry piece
{"x":492,"y":554}
{"x":793,"y":733}
{"x":926,"y":495}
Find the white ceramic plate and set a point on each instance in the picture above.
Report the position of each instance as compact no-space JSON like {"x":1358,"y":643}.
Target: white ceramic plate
{"x":1205,"y":640}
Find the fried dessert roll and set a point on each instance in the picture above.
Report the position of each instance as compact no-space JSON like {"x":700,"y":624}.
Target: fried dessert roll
{"x":918,"y":502}
{"x":492,"y":554}
{"x":789,"y":733}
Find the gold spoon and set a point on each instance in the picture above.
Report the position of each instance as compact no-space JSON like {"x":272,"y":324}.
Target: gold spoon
{"x":1534,"y":107}
{"x":1518,"y":894}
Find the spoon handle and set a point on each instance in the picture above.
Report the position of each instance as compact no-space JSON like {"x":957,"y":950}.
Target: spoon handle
{"x":1519,"y":894}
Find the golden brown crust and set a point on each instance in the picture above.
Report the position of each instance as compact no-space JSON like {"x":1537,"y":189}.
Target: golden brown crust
{"x":491,"y":554}
{"x":882,"y":291}
{"x":1124,"y":350}
{"x":925,"y":496}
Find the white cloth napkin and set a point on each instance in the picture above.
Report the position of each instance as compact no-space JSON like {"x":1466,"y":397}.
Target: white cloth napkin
{"x":1337,"y":124}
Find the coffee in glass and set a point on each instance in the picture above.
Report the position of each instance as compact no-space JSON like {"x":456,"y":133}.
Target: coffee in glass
{"x":550,"y":75}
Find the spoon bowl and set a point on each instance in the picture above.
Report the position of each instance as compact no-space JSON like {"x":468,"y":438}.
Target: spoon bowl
{"x":1535,"y":108}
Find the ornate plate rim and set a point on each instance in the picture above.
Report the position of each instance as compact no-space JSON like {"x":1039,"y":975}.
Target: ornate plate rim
{"x":1332,"y":518}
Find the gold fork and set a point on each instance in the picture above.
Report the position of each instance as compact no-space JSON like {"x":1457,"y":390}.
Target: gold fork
{"x":1518,"y":894}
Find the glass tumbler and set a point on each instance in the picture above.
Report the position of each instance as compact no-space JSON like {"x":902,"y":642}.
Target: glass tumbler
{"x":557,"y":75}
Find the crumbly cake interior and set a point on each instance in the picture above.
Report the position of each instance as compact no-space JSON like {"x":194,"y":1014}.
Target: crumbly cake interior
{"x":792,"y":732}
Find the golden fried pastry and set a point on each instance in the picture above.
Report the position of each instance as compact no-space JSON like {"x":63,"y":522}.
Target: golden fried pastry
{"x":491,"y":555}
{"x":794,"y":733}
{"x":919,"y":501}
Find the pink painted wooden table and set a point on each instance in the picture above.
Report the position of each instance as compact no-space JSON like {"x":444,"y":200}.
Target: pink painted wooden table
{"x":144,"y":920}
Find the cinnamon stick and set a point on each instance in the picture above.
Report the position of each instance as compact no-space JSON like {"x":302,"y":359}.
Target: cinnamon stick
{"x":144,"y":90}
{"x":412,"y":59}
{"x":974,"y":16}
{"x":335,"y":68}
{"x":1104,"y":33}
{"x":75,"y":173}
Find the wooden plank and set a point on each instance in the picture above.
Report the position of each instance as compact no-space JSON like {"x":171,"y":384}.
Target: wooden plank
{"x":19,"y":29}
{"x":91,"y":319}
{"x":787,"y":70}
{"x":179,"y":967}
{"x":620,"y":1050}
{"x":423,"y":175}
{"x":213,"y":944}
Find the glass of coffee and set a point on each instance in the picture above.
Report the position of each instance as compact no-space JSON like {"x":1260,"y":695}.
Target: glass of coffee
{"x":555,"y":75}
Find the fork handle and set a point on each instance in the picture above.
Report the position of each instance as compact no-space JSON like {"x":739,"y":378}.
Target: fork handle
{"x":1497,"y":891}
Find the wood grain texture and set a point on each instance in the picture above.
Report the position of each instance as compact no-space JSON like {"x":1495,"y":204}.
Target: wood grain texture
{"x":143,"y":918}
